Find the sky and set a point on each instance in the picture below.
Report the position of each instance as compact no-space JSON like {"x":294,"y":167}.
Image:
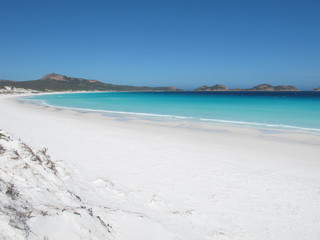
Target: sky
{"x":185,"y":44}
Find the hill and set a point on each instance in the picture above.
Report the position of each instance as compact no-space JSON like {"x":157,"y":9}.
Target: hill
{"x":57,"y":82}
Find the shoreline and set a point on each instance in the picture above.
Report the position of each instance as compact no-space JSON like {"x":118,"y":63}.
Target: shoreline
{"x":209,"y":123}
{"x":221,"y":182}
{"x":122,"y":120}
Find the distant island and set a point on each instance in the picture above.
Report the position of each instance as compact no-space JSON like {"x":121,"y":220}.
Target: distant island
{"x":61,"y":83}
{"x":261,"y":87}
{"x":217,"y":87}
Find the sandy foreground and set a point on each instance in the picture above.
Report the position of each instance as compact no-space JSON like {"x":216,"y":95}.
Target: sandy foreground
{"x":179,"y":180}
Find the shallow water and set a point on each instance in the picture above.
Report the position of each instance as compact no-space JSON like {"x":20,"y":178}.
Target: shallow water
{"x":290,"y":110}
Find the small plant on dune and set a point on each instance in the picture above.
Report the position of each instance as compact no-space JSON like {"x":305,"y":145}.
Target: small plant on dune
{"x":16,"y":155}
{"x":12,"y":192}
{"x":49,"y":163}
{"x":5,"y":137}
{"x":18,"y":219}
{"x":2,"y":149}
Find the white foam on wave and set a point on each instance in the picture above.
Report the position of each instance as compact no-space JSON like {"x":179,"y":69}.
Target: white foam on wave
{"x":43,"y":102}
{"x":269,"y":125}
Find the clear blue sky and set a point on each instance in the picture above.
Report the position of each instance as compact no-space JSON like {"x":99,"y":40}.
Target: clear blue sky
{"x":163,"y":43}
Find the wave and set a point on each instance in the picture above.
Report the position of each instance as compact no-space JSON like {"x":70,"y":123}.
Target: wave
{"x":43,"y":102}
{"x":268,"y":125}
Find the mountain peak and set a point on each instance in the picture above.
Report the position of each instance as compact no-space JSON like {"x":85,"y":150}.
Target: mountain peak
{"x":53,"y":76}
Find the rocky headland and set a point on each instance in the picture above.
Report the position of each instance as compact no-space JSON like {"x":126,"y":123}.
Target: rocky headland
{"x":58,"y":82}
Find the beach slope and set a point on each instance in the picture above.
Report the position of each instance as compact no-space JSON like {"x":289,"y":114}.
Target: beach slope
{"x":177,"y":180}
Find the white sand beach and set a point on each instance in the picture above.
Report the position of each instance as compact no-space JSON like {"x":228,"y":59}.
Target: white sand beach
{"x":176,"y":180}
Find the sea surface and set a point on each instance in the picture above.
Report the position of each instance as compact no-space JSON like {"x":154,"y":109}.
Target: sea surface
{"x":284,"y":110}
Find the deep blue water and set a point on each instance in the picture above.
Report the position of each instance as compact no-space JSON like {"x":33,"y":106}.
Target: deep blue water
{"x":296,"y":110}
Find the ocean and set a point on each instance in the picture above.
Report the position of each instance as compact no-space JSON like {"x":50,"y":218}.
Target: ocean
{"x":280,"y":110}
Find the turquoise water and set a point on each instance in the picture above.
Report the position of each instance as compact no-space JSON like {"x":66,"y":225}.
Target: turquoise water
{"x":295,"y":110}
